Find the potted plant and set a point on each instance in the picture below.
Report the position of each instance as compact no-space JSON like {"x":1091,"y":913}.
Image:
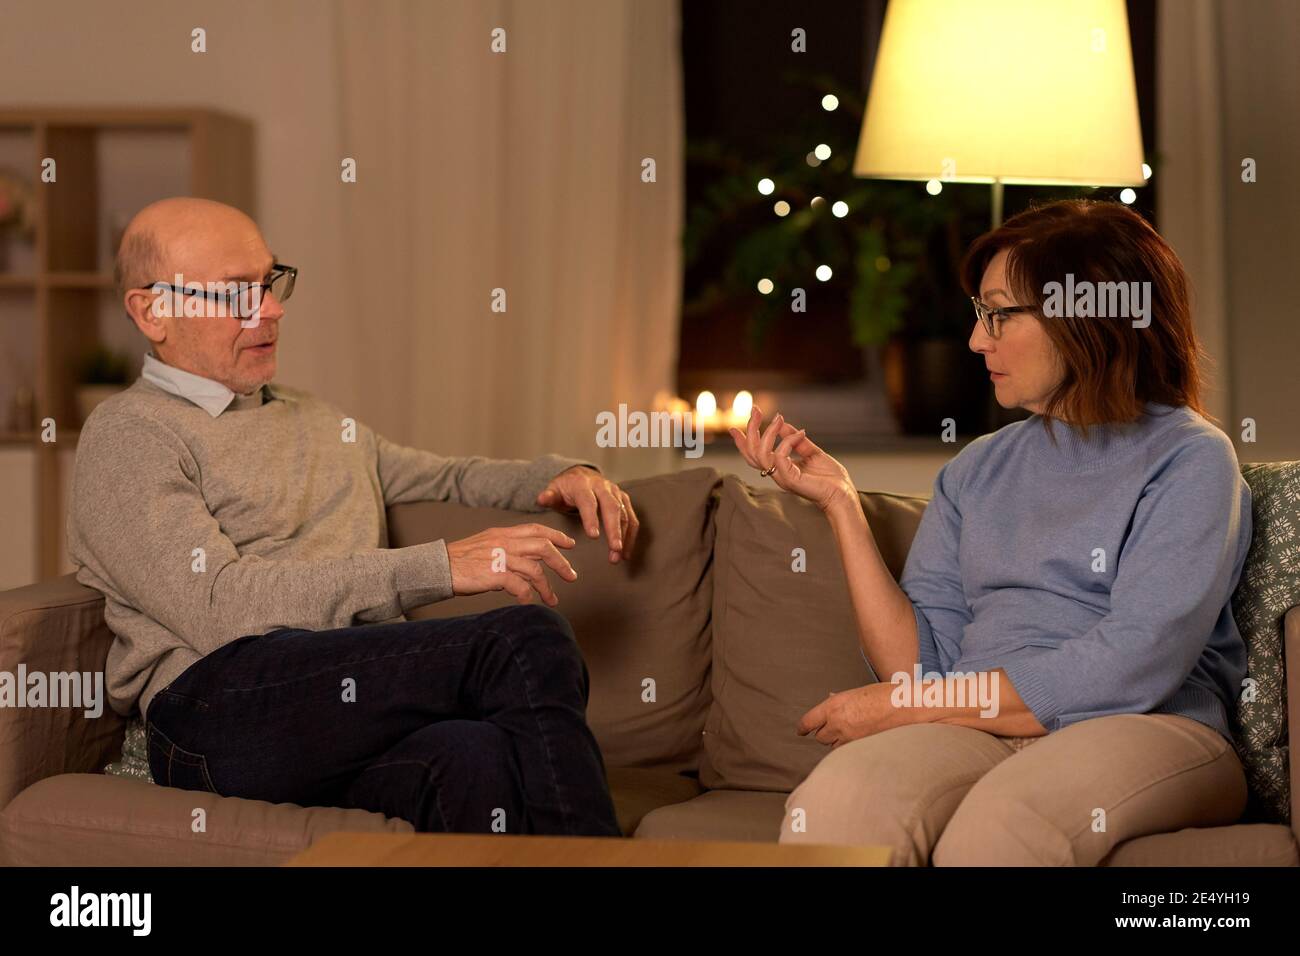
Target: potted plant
{"x":100,"y":373}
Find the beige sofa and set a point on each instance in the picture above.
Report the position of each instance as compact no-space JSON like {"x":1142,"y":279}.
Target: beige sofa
{"x":703,"y":653}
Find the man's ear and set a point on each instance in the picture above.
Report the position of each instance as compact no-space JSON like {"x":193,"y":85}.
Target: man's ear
{"x":148,"y":311}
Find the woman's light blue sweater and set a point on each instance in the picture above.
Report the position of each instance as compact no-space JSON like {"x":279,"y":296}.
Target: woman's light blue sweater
{"x":1097,"y":574}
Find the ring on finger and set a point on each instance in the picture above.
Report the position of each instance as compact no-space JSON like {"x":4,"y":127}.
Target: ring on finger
{"x":767,"y":472}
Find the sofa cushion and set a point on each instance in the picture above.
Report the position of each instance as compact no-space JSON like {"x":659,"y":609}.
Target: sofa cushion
{"x":82,"y":819}
{"x":1269,"y":587}
{"x":752,"y":816}
{"x":1258,"y":844}
{"x":783,"y":639}
{"x":744,"y":816}
{"x":637,"y":793}
{"x":645,"y":620}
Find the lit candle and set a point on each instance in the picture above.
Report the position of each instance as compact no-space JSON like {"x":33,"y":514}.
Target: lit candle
{"x":741,"y":406}
{"x":706,"y":410}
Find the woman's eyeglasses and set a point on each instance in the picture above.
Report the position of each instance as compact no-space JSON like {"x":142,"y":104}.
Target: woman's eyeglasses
{"x":987,"y":315}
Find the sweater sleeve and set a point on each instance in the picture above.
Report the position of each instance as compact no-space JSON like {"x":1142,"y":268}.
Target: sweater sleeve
{"x":411,"y":474}
{"x":1175,"y":575}
{"x":932,"y":577}
{"x":141,"y":529}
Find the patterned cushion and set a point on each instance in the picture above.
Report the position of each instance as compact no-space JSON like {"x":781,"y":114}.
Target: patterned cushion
{"x":1269,"y":587}
{"x":134,"y":761}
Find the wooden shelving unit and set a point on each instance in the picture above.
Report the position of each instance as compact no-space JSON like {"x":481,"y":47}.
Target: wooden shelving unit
{"x":201,"y":153}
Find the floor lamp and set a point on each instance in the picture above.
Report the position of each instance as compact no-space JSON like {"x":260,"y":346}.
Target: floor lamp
{"x":1034,"y":92}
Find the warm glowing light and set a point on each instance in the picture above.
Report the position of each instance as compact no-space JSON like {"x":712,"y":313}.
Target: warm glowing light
{"x":840,"y":209}
{"x":1127,"y":196}
{"x":934,"y":99}
{"x":782,"y":208}
{"x":830,"y":101}
{"x":765,"y":286}
{"x":934,"y":187}
{"x":824,"y":273}
{"x":765,"y":186}
{"x":707,"y":415}
{"x":822,"y":151}
{"x":1146,"y":171}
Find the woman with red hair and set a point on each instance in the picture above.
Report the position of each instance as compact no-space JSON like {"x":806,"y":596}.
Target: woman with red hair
{"x":1077,"y":566}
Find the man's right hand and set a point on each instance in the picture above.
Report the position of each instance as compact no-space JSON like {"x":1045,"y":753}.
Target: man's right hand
{"x":511,"y":559}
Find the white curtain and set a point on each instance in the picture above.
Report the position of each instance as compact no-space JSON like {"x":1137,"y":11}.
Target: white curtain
{"x":1190,"y":110}
{"x":521,"y":171}
{"x":1229,"y":90}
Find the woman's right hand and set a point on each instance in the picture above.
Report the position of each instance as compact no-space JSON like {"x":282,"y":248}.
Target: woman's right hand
{"x":801,"y":467}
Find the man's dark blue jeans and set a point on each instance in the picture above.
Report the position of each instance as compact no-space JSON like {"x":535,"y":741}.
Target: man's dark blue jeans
{"x":471,"y":724}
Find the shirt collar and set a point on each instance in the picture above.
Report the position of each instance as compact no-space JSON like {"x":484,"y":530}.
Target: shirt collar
{"x":211,"y":396}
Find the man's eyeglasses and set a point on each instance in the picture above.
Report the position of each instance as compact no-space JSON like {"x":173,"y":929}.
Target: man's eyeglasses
{"x":240,"y":300}
{"x":988,"y":315}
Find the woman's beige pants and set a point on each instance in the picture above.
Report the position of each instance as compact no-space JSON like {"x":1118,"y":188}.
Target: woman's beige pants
{"x":955,"y":796}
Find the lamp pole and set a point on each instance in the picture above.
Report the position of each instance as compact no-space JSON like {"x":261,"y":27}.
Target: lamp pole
{"x":997,"y":202}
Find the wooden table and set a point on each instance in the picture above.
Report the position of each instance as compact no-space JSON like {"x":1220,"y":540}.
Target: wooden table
{"x":455,"y":849}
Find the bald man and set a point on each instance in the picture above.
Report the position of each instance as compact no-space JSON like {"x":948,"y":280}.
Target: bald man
{"x":237,"y":531}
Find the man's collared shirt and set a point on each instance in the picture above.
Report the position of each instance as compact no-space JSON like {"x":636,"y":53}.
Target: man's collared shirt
{"x":211,"y":396}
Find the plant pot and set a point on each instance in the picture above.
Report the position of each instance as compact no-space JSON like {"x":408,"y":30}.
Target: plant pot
{"x":88,"y":396}
{"x":929,"y":380}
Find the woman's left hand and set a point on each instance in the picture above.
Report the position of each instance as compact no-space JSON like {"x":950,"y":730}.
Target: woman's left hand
{"x":851,"y":714}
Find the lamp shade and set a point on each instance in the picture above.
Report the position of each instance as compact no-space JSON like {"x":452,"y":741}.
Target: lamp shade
{"x":1017,"y":91}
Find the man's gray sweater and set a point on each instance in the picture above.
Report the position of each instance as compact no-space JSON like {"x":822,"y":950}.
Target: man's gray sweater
{"x":200,"y":530}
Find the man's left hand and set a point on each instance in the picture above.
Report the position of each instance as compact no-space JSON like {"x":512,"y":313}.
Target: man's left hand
{"x":599,"y":501}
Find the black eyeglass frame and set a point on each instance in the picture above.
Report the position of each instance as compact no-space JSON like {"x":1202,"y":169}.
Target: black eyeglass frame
{"x":278,"y":271}
{"x":985,"y":314}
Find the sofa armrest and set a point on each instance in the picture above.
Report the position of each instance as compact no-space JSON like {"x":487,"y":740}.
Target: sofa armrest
{"x":56,"y":626}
